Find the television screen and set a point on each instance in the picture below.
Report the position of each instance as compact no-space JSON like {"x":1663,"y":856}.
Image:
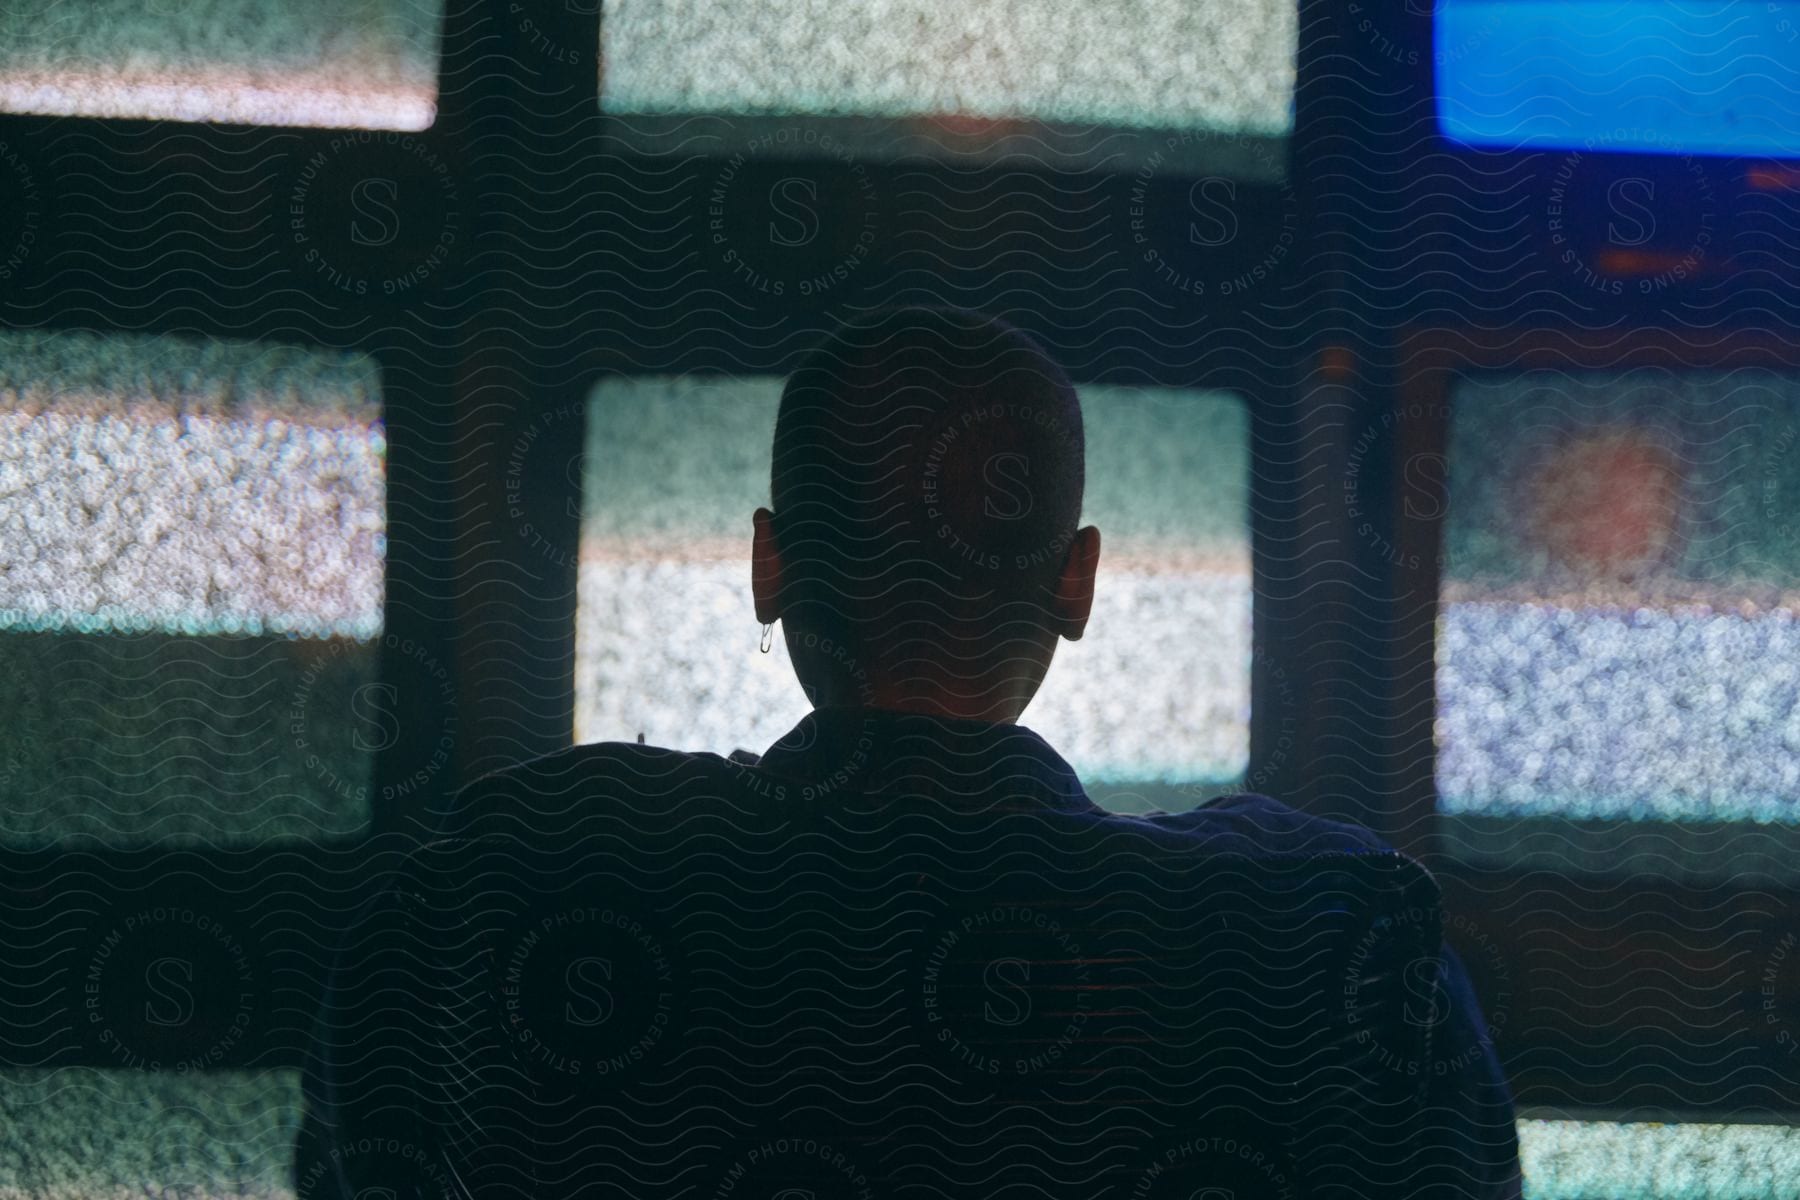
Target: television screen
{"x":1585,"y":1160}
{"x":357,"y":64}
{"x":1637,"y":76}
{"x":78,"y":1131}
{"x":1152,"y":707}
{"x":1619,"y":636}
{"x":193,"y":537}
{"x":1068,"y":84}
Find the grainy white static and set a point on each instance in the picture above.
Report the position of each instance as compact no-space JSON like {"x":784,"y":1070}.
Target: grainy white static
{"x":366,"y":64}
{"x":1225,"y":65}
{"x":1595,"y":714}
{"x":189,"y":487}
{"x":1605,"y":1160}
{"x":78,"y":1133}
{"x":1158,"y":691}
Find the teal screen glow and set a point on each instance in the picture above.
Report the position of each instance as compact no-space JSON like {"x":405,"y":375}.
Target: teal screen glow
{"x":80,"y":1132}
{"x":1648,"y":1160}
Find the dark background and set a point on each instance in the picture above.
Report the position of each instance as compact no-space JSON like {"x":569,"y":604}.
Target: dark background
{"x":542,"y":259}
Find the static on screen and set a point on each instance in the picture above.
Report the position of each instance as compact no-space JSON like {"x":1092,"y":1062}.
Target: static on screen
{"x":1653,"y":1160}
{"x":1157,"y":692}
{"x":1040,"y":79}
{"x":360,"y":64}
{"x":215,"y":1135}
{"x":194,"y":538}
{"x":1620,"y":634}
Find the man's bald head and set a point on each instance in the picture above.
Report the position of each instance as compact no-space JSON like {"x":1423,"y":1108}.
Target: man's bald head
{"x":928,"y":469}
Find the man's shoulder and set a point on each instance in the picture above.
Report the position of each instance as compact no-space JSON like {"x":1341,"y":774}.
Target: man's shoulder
{"x":1254,"y":825}
{"x":629,"y":761}
{"x":561,"y":786}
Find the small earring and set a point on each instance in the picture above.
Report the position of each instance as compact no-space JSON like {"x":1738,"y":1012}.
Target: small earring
{"x":768,"y":636}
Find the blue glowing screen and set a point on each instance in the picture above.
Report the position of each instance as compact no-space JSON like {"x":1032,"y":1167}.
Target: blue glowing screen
{"x":1716,"y":77}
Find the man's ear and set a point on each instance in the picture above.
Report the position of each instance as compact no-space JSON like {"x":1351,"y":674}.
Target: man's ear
{"x":765,"y":568}
{"x":1074,"y":599}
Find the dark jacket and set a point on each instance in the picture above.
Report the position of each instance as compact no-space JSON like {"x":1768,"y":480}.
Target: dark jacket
{"x":1467,"y":1086}
{"x":857,"y":765}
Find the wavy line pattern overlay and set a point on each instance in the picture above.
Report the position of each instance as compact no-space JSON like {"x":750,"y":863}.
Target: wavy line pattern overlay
{"x":1358,"y":299}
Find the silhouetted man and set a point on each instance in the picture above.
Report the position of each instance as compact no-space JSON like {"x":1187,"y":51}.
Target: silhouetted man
{"x":923,"y":553}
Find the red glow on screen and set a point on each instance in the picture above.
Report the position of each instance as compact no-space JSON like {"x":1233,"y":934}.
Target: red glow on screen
{"x":970,"y":131}
{"x":1606,"y":504}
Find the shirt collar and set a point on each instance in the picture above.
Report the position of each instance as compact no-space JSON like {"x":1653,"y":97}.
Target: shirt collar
{"x":863,"y":748}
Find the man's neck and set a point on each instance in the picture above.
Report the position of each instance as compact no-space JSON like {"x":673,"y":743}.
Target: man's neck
{"x":993,"y":714}
{"x":993,"y":707}
{"x":994,"y":688}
